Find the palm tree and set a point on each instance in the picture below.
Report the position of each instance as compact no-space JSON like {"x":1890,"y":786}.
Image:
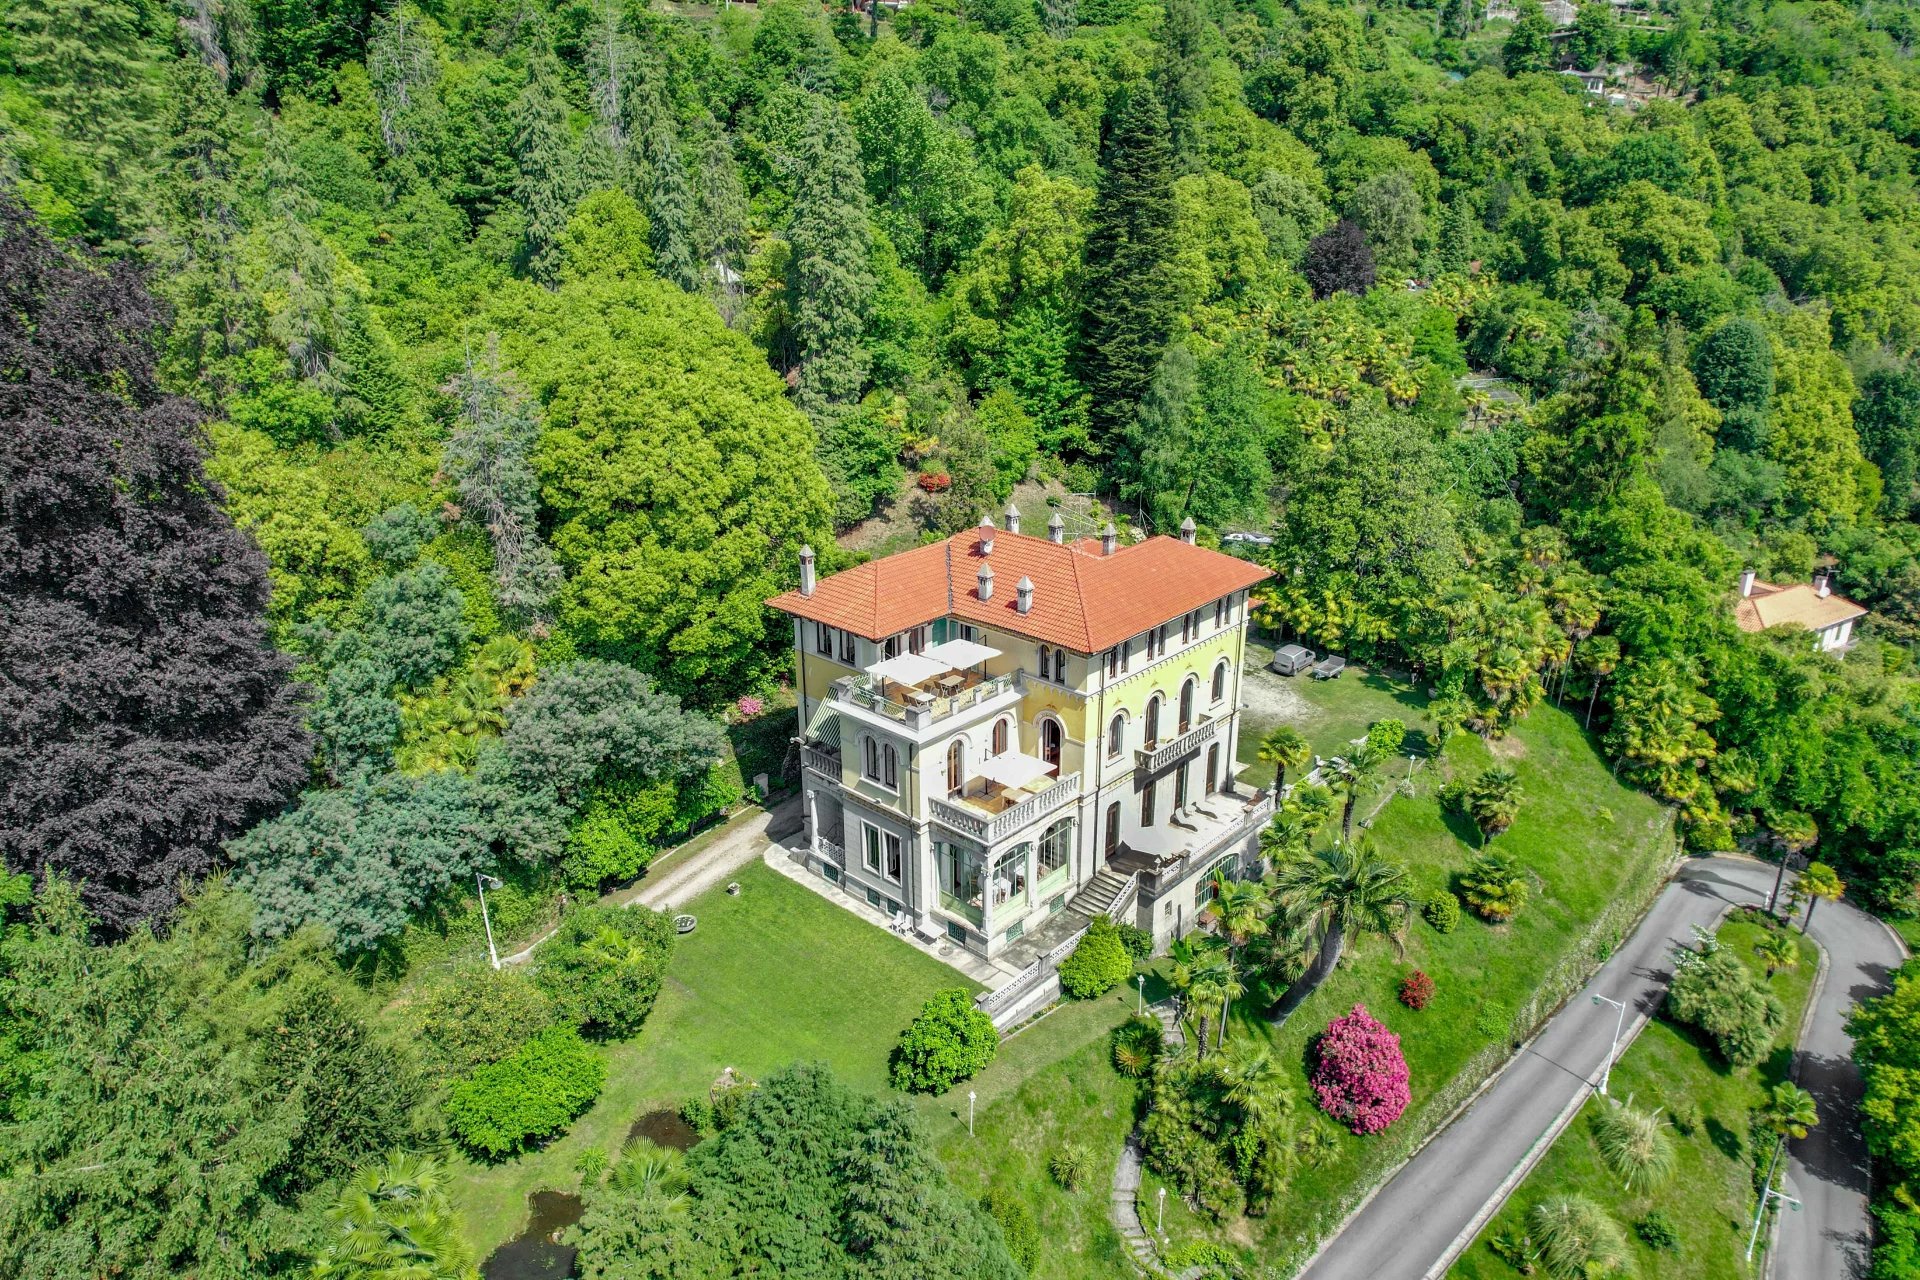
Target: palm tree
{"x":1350,"y":773}
{"x":1779,"y":950}
{"x":1215,"y":979}
{"x":1493,"y":800}
{"x":1795,"y":832}
{"x":1238,"y":911}
{"x":1257,"y":1085}
{"x":1349,"y":888}
{"x":1788,"y":1111}
{"x":647,"y":1169}
{"x":395,"y":1221}
{"x":1819,"y":881}
{"x":1286,"y":837}
{"x":1284,"y":748}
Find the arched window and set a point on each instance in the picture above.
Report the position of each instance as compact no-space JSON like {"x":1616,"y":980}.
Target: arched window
{"x":1220,"y":680}
{"x":1116,"y":735}
{"x":1055,"y":847}
{"x":956,"y":767}
{"x":1152,"y":732}
{"x":1046,"y":663}
{"x":1051,"y":740}
{"x":999,"y":736}
{"x":1059,"y":666}
{"x":1186,"y":703}
{"x":1113,"y":829}
{"x":890,"y":767}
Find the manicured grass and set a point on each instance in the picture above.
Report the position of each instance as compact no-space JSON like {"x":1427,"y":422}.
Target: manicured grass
{"x":774,"y":976}
{"x":1330,"y":713}
{"x":1908,"y":927}
{"x":1050,"y":1084}
{"x":1710,"y":1198}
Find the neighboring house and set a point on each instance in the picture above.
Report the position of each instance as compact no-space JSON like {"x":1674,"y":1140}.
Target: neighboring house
{"x":1001,"y":732}
{"x":1811,"y":605}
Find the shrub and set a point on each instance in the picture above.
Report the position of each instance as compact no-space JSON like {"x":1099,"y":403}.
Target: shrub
{"x":1635,"y":1145}
{"x":1099,"y":964}
{"x":1136,"y":1044}
{"x":1205,"y":1254}
{"x":534,"y":1094}
{"x":1495,"y":1019}
{"x":1360,"y":1076}
{"x":1416,"y":990}
{"x":1070,"y":1165}
{"x":1138,"y":941}
{"x":698,"y":1113}
{"x":590,"y":1164}
{"x":1658,"y":1231}
{"x":1495,"y":886}
{"x":603,"y":968}
{"x":749,"y":706}
{"x":1718,"y":994}
{"x":1578,"y":1241}
{"x":1443,"y":912}
{"x":1016,"y":1224}
{"x":948,"y":1042}
{"x":477,"y":1015}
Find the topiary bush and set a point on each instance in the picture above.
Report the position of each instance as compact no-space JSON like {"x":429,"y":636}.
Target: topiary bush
{"x":1016,"y":1224}
{"x":1416,"y":990}
{"x":604,"y":966}
{"x":948,"y":1042}
{"x":1136,"y":1045}
{"x":1360,"y":1076}
{"x":1714,"y":991}
{"x":533,"y":1094}
{"x":1443,"y":913}
{"x":1099,"y":964}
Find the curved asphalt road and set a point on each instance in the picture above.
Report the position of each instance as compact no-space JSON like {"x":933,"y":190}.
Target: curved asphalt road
{"x":1430,"y":1211}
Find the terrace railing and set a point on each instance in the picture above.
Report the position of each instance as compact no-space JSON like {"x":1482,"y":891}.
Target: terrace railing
{"x":991,"y":828}
{"x":1155,"y":758}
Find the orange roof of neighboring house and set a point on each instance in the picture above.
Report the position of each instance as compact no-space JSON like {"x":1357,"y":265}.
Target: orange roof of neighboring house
{"x":1798,"y":605}
{"x":1082,"y":600}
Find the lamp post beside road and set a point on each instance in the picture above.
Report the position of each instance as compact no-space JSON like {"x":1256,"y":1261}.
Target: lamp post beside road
{"x":1607,"y":1073}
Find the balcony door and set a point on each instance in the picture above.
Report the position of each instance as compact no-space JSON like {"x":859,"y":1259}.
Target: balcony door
{"x":1051,"y":736}
{"x":1113,"y":829}
{"x":1186,"y":703}
{"x":956,"y":769}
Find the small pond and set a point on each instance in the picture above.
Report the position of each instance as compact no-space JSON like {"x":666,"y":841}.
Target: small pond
{"x":664,"y":1129}
{"x":535,"y":1253}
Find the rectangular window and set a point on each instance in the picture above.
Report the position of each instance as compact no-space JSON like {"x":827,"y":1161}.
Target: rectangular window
{"x":846,"y":648}
{"x":893,"y":857}
{"x":830,"y":871}
{"x":1186,"y":628}
{"x":823,"y":638}
{"x":1017,"y":932}
{"x":917,"y":640}
{"x":956,"y":933}
{"x":873,"y":898}
{"x":1180,"y":788}
{"x":892,"y":648}
{"x":1146,"y":805}
{"x":893,"y":908}
{"x":969,"y":632}
{"x":871,"y":851}
{"x":1220,"y":612}
{"x":1056,"y":904}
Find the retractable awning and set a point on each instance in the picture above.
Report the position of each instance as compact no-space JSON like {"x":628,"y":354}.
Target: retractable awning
{"x":1012,"y":768}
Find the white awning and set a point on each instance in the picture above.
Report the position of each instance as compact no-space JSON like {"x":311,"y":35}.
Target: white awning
{"x":908,"y":668}
{"x":1012,"y":768}
{"x":961,"y":654}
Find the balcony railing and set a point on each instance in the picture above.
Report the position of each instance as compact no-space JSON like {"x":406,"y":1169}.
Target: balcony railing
{"x":859,"y":691}
{"x":1160,"y":755}
{"x":821,"y":759}
{"x":991,"y":828}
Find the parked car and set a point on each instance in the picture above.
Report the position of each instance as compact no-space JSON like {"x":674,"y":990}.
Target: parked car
{"x":1291,"y":659}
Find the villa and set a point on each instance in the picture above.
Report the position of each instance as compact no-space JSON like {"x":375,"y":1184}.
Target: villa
{"x":1002,"y":736}
{"x":1812,"y":606}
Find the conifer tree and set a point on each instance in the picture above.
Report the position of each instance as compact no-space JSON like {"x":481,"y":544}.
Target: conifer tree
{"x":1183,"y":77}
{"x":549,"y":171}
{"x":197,"y":249}
{"x":830,"y":280}
{"x":144,"y":717}
{"x":404,"y":72}
{"x":1130,"y":302}
{"x":91,"y":63}
{"x":308,"y":311}
{"x":1059,"y":17}
{"x":720,"y":218}
{"x":670,"y":207}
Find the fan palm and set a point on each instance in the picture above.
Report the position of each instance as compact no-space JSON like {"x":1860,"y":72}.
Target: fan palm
{"x":395,"y":1221}
{"x":1819,"y":881}
{"x":1349,"y":888}
{"x":647,"y":1169}
{"x":1284,"y":748}
{"x":1216,"y":981}
{"x":1286,"y":837}
{"x":1238,"y":911}
{"x":1779,"y":951}
{"x":1257,"y":1085}
{"x":1788,"y":1111}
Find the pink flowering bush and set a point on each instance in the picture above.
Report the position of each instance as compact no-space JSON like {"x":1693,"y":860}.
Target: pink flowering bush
{"x":1361,"y":1076}
{"x":750,"y":706}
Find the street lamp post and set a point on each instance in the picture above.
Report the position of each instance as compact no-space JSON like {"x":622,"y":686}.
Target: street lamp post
{"x":1606,"y":1073}
{"x":1160,"y":1220}
{"x":482,"y":879}
{"x":1140,"y":1005}
{"x":1768,"y":1195}
{"x":970,"y":1097}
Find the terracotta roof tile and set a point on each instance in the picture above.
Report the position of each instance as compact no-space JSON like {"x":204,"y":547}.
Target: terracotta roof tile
{"x":1082,"y":600}
{"x":1797,"y":605}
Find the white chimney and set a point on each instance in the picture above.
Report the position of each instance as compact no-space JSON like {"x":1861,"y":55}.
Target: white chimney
{"x":1746,"y":583}
{"x":986,"y":582}
{"x":1023,"y":595}
{"x":1823,"y":584}
{"x":806,"y":571}
{"x":1109,"y":540}
{"x":986,"y":535}
{"x":1186,"y":531}
{"x":1013,"y":517}
{"x":1056,"y":529}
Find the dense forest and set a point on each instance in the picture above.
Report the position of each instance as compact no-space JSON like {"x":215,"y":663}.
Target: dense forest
{"x":410,"y":406}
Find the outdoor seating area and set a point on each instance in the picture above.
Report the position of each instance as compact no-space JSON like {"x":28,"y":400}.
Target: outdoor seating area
{"x":936,"y":681}
{"x":1003,"y":781}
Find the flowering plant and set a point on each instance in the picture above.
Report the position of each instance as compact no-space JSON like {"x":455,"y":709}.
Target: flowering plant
{"x":935,"y":481}
{"x":1360,"y":1078}
{"x":1416,"y":990}
{"x":749,"y":707}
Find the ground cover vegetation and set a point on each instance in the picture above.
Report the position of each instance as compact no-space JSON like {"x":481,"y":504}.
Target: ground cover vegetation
{"x":1662,"y":1177}
{"x":412,"y":405}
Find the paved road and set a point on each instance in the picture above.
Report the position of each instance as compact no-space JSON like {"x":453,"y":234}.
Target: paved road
{"x":1431,"y":1210}
{"x":1828,"y":1169}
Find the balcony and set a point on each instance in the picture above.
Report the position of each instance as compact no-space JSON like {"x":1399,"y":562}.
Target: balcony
{"x":1159,"y":755}
{"x":918,"y":707}
{"x":989,"y":826}
{"x":822,"y":759}
{"x":1192,"y":839}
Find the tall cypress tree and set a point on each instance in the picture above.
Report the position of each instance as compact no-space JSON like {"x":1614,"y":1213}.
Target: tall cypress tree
{"x":830,"y":279}
{"x":144,"y":718}
{"x":1130,"y":301}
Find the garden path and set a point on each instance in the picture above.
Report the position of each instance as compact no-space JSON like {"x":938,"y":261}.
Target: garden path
{"x":1415,"y":1225}
{"x":1126,"y":1174}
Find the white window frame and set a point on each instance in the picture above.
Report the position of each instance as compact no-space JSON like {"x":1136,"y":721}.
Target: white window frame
{"x":1116,"y":742}
{"x":1222,"y":676}
{"x":880,"y":763}
{"x":823,"y":639}
{"x":871,"y":857}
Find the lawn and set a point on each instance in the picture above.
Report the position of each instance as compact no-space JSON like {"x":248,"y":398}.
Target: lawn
{"x":1710,"y":1197}
{"x":773,"y":976}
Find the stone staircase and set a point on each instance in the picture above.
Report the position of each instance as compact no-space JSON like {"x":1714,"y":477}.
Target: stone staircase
{"x":1124,"y":1208}
{"x":1097,"y":896}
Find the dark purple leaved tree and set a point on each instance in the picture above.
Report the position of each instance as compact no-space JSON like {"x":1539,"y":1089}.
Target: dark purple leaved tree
{"x":1339,"y":261}
{"x":144,"y":717}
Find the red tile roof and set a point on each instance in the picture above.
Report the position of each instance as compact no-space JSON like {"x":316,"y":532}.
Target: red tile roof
{"x":1082,"y":600}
